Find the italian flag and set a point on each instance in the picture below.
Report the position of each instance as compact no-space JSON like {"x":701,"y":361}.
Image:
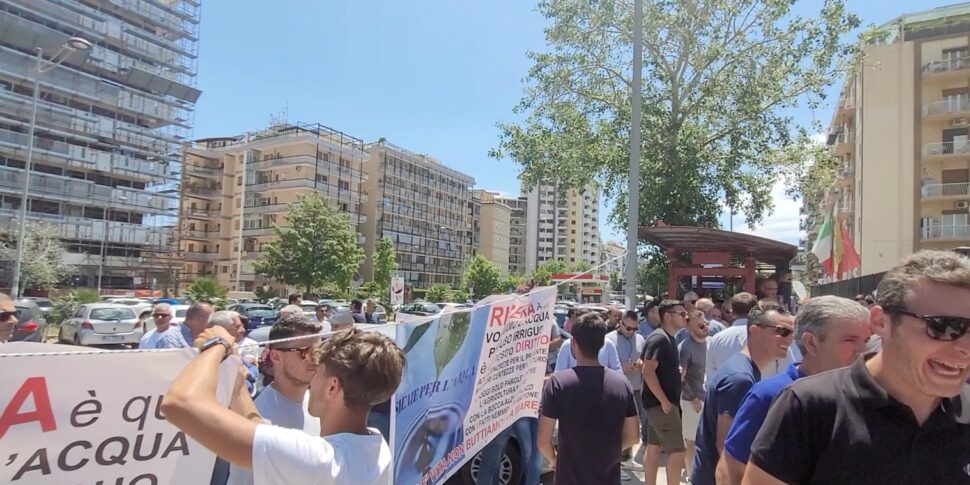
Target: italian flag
{"x":833,"y":248}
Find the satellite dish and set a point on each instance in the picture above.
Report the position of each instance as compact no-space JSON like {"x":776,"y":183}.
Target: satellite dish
{"x":799,"y":290}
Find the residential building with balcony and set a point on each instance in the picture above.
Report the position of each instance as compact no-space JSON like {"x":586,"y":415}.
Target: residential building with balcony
{"x":518,"y":223}
{"x":109,"y":120}
{"x":235,"y":189}
{"x":902,"y":131}
{"x":562,"y":224}
{"x":491,"y":225}
{"x":423,"y":207}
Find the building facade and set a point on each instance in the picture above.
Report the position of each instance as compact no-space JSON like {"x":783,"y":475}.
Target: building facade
{"x":518,"y":224}
{"x":901,"y":131}
{"x":491,"y":227}
{"x":562,"y":224}
{"x":109,"y":120}
{"x":235,"y":189}
{"x":422,"y":206}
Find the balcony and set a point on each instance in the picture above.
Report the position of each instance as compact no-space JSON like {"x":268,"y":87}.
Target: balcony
{"x":267,"y":209}
{"x":942,"y":191}
{"x":946,"y":149}
{"x":193,"y":256}
{"x":201,"y":235}
{"x":281,"y":184}
{"x":202,"y":213}
{"x":259,"y":231}
{"x":204,"y":192}
{"x":939,"y":68}
{"x":202,"y":169}
{"x":944,"y":107}
{"x":945,"y":233}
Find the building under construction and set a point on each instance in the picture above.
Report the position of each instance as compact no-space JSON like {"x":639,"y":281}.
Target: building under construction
{"x":105,"y":165}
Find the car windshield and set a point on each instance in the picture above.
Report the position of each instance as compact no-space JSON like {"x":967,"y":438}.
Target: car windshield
{"x":180,"y":313}
{"x":308,"y":308}
{"x":23,"y":314}
{"x":43,"y":303}
{"x":260,"y":312}
{"x":112,"y":314}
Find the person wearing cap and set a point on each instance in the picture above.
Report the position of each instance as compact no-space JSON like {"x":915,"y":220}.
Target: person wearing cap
{"x":892,"y":416}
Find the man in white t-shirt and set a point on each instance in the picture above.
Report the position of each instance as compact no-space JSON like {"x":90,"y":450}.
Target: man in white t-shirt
{"x":164,"y":335}
{"x":355,"y":370}
{"x":285,"y":402}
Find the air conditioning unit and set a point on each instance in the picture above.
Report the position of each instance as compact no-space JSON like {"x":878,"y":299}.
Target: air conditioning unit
{"x":963,"y":204}
{"x":960,"y":122}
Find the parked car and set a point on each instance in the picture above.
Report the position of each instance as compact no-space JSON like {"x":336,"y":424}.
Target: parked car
{"x":178,"y":313}
{"x":45,"y":304}
{"x":419,"y":309}
{"x":309,"y":308}
{"x":257,"y":313}
{"x":450,"y":307}
{"x":31,"y":323}
{"x":101,"y":324}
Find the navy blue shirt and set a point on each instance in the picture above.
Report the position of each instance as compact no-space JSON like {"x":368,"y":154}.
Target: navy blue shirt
{"x":725,"y":390}
{"x":753,"y":410}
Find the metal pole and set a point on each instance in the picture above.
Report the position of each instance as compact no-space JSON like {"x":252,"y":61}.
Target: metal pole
{"x":104,"y":237}
{"x":633,"y":209}
{"x":15,"y":288}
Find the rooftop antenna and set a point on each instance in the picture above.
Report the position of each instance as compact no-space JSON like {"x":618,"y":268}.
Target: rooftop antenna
{"x":280,"y":117}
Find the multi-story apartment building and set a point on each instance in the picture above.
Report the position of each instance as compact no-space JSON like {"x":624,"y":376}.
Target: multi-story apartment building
{"x":614,"y":258}
{"x":518,"y":223}
{"x":235,"y":189}
{"x":902,"y":130}
{"x":422,"y":205}
{"x":491,"y":224}
{"x":109,"y":120}
{"x":562,"y":225}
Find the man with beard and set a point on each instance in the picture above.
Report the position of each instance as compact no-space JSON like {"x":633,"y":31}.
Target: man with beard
{"x":693,"y":355}
{"x":890,"y":417}
{"x":285,"y":402}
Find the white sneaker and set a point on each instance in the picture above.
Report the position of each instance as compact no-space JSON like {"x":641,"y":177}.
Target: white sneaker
{"x":632,"y":465}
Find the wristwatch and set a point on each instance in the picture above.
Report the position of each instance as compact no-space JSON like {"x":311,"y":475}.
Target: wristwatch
{"x":212,"y":342}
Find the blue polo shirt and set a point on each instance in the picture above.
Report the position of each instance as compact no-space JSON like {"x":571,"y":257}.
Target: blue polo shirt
{"x":754,"y":409}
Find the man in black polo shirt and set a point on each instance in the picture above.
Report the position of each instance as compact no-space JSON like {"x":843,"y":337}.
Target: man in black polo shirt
{"x":661,"y":394}
{"x":888,"y":418}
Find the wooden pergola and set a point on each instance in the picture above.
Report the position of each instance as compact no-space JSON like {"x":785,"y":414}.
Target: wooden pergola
{"x":714,"y":254}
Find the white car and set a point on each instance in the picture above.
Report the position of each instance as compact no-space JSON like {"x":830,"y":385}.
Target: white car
{"x":178,"y":313}
{"x":101,"y":324}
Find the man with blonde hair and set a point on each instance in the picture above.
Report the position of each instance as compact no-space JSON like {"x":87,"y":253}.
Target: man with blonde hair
{"x":890,"y":417}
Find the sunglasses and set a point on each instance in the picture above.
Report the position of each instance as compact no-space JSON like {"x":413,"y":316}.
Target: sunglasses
{"x":683,"y":313}
{"x":779,"y":330}
{"x":161,"y":315}
{"x":629,"y":329}
{"x":940,"y":327}
{"x":4,"y":316}
{"x":304,"y":351}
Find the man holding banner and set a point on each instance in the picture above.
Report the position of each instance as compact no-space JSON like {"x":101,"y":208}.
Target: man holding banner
{"x":356,"y":370}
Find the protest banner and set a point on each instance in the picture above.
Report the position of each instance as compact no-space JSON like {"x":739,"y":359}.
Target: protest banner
{"x":95,"y":418}
{"x":470,"y":374}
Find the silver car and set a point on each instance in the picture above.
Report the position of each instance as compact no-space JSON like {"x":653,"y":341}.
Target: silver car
{"x":101,"y":324}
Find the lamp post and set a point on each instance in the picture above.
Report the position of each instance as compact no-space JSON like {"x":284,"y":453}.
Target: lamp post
{"x":43,"y":66}
{"x":633,"y":209}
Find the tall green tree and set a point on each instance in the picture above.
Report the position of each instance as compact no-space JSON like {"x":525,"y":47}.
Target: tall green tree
{"x":438,"y":293}
{"x":385,"y":266}
{"x":481,"y":277}
{"x":580,"y":267}
{"x":720,"y":80}
{"x":542,"y":275}
{"x":317,"y":247}
{"x":43,"y":265}
{"x":206,"y":289}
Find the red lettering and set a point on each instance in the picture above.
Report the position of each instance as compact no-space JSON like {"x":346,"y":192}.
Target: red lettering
{"x":35,"y":387}
{"x":496,"y":319}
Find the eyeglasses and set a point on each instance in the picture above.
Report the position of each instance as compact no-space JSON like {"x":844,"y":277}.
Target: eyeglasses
{"x":629,"y":329}
{"x":304,"y":351}
{"x":940,"y":327}
{"x":683,"y":313}
{"x":779,"y":330}
{"x":161,"y":315}
{"x":4,"y":316}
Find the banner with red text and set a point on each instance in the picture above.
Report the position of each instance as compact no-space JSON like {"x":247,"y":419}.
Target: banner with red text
{"x":470,"y":374}
{"x":95,"y":418}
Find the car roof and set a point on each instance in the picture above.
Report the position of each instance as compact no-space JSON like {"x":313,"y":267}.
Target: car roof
{"x":252,"y":305}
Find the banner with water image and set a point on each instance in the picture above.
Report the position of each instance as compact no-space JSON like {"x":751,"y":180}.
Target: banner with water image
{"x":470,"y":374}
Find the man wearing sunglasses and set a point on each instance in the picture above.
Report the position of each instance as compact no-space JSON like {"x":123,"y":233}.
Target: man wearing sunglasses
{"x":8,"y":318}
{"x":165,"y":335}
{"x":889,"y":417}
{"x":629,"y":345}
{"x":769,"y":333}
{"x":285,"y":402}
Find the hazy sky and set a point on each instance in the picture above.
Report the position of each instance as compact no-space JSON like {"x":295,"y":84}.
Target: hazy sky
{"x":434,"y":76}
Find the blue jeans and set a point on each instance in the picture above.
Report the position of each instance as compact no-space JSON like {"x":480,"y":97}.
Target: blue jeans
{"x":526,"y":429}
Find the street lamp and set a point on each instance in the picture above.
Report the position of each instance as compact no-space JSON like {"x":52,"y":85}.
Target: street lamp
{"x":69,"y":47}
{"x":104,"y":239}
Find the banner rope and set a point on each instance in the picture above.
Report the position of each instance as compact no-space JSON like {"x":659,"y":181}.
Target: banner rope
{"x":301,"y":337}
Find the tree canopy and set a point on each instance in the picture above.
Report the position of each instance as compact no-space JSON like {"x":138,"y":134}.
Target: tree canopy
{"x":481,"y":277}
{"x":43,"y":264}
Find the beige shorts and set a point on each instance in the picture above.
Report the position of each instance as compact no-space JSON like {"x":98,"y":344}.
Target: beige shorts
{"x":690,"y":419}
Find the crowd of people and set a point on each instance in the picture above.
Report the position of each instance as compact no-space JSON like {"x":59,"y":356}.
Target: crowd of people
{"x":843,"y":391}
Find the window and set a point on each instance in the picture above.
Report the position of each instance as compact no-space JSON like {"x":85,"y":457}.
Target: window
{"x":225,"y":269}
{"x":239,"y":181}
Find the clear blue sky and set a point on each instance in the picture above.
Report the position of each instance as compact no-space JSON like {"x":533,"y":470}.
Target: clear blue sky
{"x":433,"y":76}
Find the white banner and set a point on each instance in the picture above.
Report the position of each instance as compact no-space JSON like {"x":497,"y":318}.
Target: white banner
{"x":89,"y":419}
{"x":397,"y":291}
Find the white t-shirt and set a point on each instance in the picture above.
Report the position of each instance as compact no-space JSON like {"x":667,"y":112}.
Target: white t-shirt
{"x":171,"y":338}
{"x":276,"y":409}
{"x":288,"y":456}
{"x":249,"y":347}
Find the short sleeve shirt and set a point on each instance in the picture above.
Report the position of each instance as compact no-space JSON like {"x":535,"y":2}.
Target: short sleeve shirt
{"x":589,"y":449}
{"x":842,"y":427}
{"x":693,"y":354}
{"x":754,"y":408}
{"x":725,"y":390}
{"x":628,"y":350}
{"x":171,"y":338}
{"x":282,"y":456}
{"x":661,"y":347}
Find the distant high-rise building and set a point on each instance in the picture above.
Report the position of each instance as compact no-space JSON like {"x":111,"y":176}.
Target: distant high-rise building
{"x":491,"y":226}
{"x":234,"y":189}
{"x":518,"y":223}
{"x":109,"y":121}
{"x":562,"y":224}
{"x":422,"y":206}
